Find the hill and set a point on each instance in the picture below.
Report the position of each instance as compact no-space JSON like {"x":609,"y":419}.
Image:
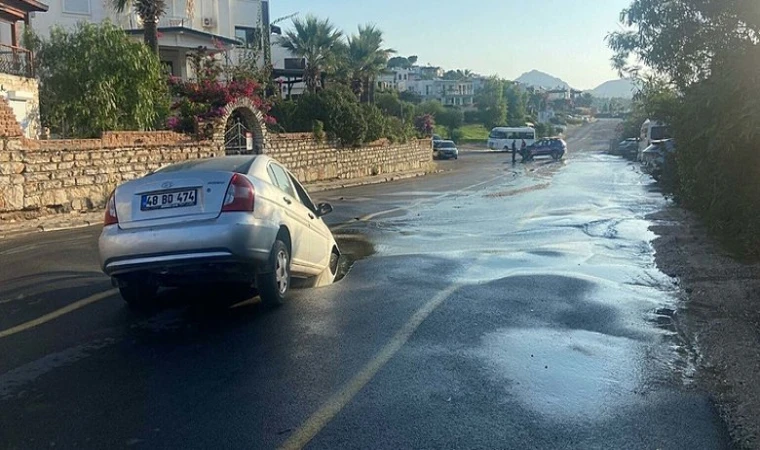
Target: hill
{"x":622,"y":88}
{"x":540,"y":79}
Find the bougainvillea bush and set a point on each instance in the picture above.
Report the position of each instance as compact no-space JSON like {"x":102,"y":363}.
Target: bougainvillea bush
{"x":199,"y":102}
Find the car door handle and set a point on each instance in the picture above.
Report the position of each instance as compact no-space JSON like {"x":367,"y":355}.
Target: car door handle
{"x":311,"y":216}
{"x":287,"y":200}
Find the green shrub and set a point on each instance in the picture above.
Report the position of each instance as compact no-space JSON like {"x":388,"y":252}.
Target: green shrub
{"x":391,"y":105}
{"x":318,"y":129}
{"x":472,"y":117}
{"x":717,"y":131}
{"x":376,"y":122}
{"x":94,"y":78}
{"x":398,"y":130}
{"x":284,"y":112}
{"x":451,"y":118}
{"x":456,"y":135}
{"x":347,"y":126}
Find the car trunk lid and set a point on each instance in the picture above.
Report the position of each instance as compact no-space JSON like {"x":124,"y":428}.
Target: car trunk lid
{"x":164,"y":199}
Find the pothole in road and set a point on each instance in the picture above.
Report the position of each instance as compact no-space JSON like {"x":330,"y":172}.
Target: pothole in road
{"x":353,"y":247}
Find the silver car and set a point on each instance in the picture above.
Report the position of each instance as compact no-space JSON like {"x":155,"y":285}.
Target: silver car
{"x":241,"y":220}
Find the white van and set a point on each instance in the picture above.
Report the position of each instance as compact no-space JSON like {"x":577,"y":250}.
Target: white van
{"x":651,"y":131}
{"x":502,"y":138}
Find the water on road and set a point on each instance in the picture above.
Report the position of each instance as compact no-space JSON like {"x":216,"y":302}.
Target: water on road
{"x":494,"y":306}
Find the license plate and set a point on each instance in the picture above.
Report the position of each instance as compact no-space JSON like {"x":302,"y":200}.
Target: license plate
{"x":166,"y":200}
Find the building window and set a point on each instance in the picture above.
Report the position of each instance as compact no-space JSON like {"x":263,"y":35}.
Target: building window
{"x":81,"y":7}
{"x":250,"y":37}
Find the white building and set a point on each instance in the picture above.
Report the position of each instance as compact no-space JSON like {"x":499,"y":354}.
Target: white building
{"x":288,"y":70}
{"x":448,"y":92}
{"x":214,"y":24}
{"x":386,"y":81}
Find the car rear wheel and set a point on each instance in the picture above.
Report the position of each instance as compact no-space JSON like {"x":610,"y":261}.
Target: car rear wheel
{"x":557,"y":155}
{"x":138,"y":294}
{"x":274,"y":285}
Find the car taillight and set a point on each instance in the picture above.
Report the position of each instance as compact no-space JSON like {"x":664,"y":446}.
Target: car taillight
{"x":111,"y":218}
{"x":240,"y":195}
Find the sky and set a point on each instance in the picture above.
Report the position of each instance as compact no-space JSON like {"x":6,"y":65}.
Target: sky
{"x":564,"y":38}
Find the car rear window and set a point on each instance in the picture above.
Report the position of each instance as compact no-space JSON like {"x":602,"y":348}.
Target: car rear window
{"x":238,"y":164}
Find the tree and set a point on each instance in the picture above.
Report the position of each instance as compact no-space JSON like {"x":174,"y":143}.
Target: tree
{"x":516,"y":99}
{"x":410,"y":96}
{"x":400,"y":62}
{"x":149,"y":12}
{"x":491,"y":104}
{"x":391,"y":105}
{"x":705,"y":56}
{"x":315,"y":40}
{"x":366,"y":59}
{"x":458,"y":75}
{"x":680,"y":38}
{"x":94,"y":78}
{"x":432,"y":107}
{"x":451,"y":118}
{"x":585,"y":100}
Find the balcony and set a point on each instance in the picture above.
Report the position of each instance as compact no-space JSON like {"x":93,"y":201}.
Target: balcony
{"x":16,"y":61}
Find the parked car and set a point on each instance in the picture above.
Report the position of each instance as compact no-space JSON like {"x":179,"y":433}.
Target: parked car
{"x":629,"y":148}
{"x":445,"y":150}
{"x":554,"y":147}
{"x":243,"y":221}
{"x":654,"y":157}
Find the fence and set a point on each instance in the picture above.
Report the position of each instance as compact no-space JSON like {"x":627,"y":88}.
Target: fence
{"x":16,"y":61}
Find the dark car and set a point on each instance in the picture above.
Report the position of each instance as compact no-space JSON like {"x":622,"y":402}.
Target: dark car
{"x":445,"y":150}
{"x":554,"y":147}
{"x":629,"y":148}
{"x":655,"y":157}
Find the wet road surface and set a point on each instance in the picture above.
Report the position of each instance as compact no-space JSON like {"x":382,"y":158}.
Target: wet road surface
{"x":490,"y":306}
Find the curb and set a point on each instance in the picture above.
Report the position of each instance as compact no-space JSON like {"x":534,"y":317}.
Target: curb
{"x":365,"y":182}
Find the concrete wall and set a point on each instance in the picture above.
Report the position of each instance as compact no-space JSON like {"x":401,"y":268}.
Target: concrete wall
{"x":39,"y":177}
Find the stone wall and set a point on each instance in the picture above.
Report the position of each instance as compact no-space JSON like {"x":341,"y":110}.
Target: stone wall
{"x":39,"y":177}
{"x":23,"y":95}
{"x":312,"y":161}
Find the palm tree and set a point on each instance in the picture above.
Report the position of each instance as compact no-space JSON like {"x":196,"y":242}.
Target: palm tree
{"x":149,"y":12}
{"x":316,"y":41}
{"x":367,"y":59}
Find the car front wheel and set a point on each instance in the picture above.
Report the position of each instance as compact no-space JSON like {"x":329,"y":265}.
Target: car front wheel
{"x":557,"y":155}
{"x":274,"y":285}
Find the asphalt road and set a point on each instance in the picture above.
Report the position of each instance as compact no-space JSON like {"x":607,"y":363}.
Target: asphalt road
{"x":490,"y":306}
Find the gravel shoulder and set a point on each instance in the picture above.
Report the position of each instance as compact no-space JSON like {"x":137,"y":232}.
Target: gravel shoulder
{"x":719,"y":317}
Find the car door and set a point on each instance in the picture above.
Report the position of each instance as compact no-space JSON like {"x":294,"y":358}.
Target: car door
{"x":297,"y":222}
{"x":320,"y":234}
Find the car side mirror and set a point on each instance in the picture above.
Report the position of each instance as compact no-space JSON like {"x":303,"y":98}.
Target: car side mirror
{"x":324,"y":209}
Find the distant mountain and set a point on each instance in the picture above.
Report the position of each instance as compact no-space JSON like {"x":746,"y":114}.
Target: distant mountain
{"x":540,"y":79}
{"x":622,"y":88}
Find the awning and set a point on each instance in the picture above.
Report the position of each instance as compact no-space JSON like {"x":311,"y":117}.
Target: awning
{"x":16,"y":10}
{"x":190,"y":38}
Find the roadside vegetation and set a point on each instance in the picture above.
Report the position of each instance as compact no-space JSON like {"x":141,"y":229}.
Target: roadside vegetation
{"x":705,"y":59}
{"x":93,"y":78}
